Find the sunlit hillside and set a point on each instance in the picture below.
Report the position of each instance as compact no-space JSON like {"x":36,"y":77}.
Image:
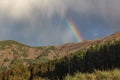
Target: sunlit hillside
{"x":95,"y":59}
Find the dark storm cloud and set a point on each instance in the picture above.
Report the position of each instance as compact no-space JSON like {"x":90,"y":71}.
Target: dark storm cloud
{"x":42,"y":21}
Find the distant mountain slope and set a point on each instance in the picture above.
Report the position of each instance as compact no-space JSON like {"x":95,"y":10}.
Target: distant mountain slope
{"x":55,"y":62}
{"x":12,"y":50}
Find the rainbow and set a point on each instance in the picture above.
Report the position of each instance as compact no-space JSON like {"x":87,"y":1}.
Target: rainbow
{"x":74,"y":30}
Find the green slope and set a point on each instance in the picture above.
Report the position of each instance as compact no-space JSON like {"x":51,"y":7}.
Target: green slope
{"x":98,"y":57}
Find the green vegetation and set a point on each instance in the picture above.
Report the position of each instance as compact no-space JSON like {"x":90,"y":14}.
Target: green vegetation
{"x":6,"y":60}
{"x":25,"y":55}
{"x":18,"y":72}
{"x":2,"y":69}
{"x":52,"y":48}
{"x":104,"y":57}
{"x":46,"y":51}
{"x":16,"y":62}
{"x":37,"y":61}
{"x":97,"y":75}
{"x":41,"y":48}
{"x":10,"y":42}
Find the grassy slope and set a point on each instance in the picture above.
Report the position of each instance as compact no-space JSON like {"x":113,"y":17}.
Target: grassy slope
{"x":97,"y":75}
{"x":100,"y":57}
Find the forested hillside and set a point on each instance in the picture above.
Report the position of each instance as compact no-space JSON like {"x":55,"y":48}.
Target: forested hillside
{"x":98,"y":57}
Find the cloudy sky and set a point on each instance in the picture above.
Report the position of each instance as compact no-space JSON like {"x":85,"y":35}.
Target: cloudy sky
{"x":43,"y":22}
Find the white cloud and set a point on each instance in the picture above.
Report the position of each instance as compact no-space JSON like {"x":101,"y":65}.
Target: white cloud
{"x":27,"y":8}
{"x":24,"y":8}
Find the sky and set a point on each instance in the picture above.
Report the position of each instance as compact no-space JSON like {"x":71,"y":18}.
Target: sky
{"x":44,"y":22}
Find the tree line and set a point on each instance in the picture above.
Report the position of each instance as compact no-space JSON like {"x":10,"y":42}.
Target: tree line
{"x":99,"y":57}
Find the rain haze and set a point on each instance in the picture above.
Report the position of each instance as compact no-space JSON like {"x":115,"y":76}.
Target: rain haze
{"x":45,"y":22}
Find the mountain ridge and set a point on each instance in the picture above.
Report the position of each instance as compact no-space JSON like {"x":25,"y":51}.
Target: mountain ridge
{"x":11,"y":50}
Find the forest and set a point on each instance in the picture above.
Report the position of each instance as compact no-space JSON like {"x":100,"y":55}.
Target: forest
{"x":103,"y":58}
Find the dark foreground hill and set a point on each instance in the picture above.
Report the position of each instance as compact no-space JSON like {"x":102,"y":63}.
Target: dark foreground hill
{"x":21,"y":62}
